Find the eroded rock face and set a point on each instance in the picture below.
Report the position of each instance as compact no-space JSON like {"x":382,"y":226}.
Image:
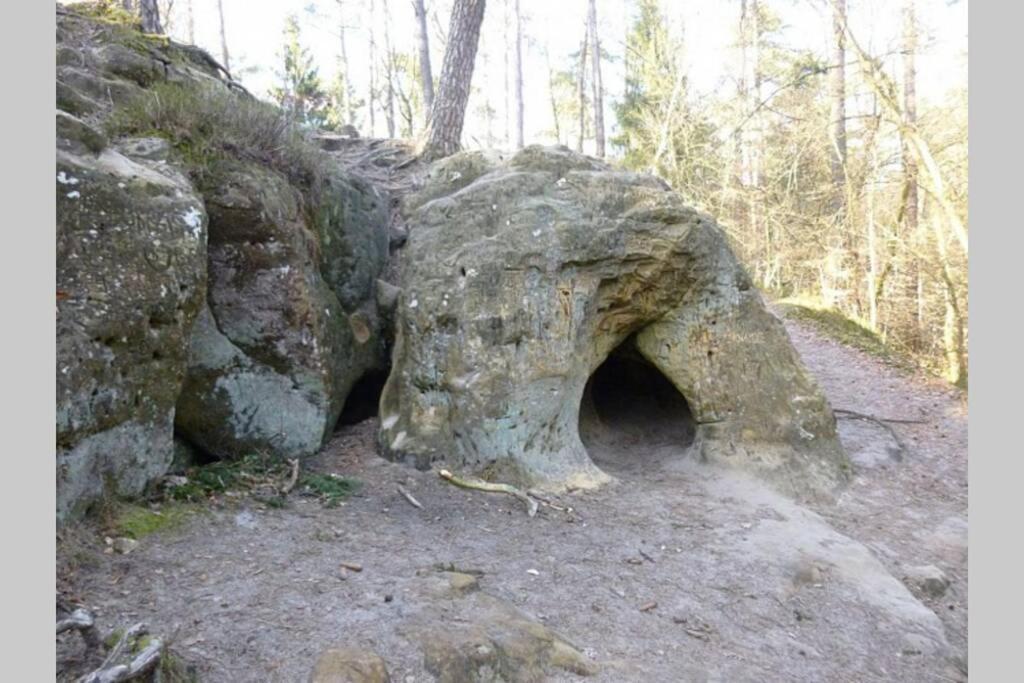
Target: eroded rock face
{"x":521,"y":276}
{"x":131,"y":268}
{"x":291,"y":319}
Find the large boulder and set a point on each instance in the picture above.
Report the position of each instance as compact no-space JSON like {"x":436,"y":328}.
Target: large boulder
{"x":291,"y":319}
{"x":131,"y":268}
{"x":522,"y":276}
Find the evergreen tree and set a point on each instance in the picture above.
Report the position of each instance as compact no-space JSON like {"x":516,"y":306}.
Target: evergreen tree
{"x":300,"y":94}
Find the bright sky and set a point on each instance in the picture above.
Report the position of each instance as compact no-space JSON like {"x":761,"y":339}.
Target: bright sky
{"x":254,"y":39}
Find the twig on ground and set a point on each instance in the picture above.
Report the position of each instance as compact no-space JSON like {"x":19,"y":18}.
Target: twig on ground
{"x":480,"y":485}
{"x":146,"y":660}
{"x":892,"y":420}
{"x":883,"y":423}
{"x":409,"y":497}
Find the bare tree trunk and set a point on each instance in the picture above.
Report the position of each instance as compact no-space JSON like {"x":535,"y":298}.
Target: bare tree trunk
{"x":519,"y":77}
{"x":225,"y":58}
{"x":444,"y":134}
{"x":551,"y":93}
{"x":389,"y":72}
{"x":595,"y":51}
{"x":910,"y":113}
{"x":191,"y":24}
{"x":837,"y":96}
{"x":350,"y":114}
{"x":149,"y":12}
{"x":507,"y":72}
{"x":581,"y":88}
{"x":423,"y":41}
{"x":372,"y":99}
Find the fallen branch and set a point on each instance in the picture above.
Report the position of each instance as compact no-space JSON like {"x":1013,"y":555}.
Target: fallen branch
{"x":146,"y":660}
{"x":480,"y":485}
{"x":547,"y":503}
{"x":409,"y":497}
{"x":293,"y":479}
{"x":891,"y":420}
{"x":850,"y":414}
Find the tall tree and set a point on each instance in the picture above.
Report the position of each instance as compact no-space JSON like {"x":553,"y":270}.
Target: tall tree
{"x":225,"y":58}
{"x":191,"y":23}
{"x":444,"y":133}
{"x":389,"y":72}
{"x":837,"y":98}
{"x":519,"y":77}
{"x":348,"y":109}
{"x":300,"y":93}
{"x":910,"y":113}
{"x":149,"y":12}
{"x":371,"y":100}
{"x":423,"y":42}
{"x":581,"y":87}
{"x":595,"y":52}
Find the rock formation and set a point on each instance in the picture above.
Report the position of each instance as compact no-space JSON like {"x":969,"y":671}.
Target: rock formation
{"x":200,"y":290}
{"x":522,"y":276}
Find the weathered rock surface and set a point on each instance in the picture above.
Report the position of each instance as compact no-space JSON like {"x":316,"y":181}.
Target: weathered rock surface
{"x":291,"y":320}
{"x":131,"y":268}
{"x":522,"y":276}
{"x":478,"y":637}
{"x":349,"y":665}
{"x":283,"y":297}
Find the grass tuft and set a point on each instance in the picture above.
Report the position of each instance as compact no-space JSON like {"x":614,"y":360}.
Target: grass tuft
{"x":331,"y":489}
{"x":209,"y":124}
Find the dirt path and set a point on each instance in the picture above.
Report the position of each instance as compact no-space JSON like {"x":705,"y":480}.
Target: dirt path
{"x":748,"y":585}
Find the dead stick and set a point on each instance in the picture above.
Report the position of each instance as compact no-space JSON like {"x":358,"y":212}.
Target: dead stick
{"x":878,"y":421}
{"x":893,"y":420}
{"x":409,"y":497}
{"x":479,"y":485}
{"x":293,"y":479}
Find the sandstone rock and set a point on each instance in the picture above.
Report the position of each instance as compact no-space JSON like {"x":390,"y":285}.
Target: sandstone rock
{"x":493,"y":641}
{"x":523,"y":276}
{"x":349,"y":665}
{"x":927,"y":579}
{"x":131,"y":266}
{"x":291,"y":319}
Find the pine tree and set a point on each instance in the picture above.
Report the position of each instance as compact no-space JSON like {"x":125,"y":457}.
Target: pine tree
{"x":300,"y":94}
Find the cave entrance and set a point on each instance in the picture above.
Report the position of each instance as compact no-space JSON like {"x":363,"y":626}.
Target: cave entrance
{"x":631,"y":412}
{"x":363,"y":401}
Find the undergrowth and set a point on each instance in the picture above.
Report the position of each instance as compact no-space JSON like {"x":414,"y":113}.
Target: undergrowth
{"x":209,"y":124}
{"x":843,"y":329}
{"x":261,"y":477}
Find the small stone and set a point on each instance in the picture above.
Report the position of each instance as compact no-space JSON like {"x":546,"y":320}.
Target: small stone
{"x":927,"y":579}
{"x":124,"y":545}
{"x":349,"y":665}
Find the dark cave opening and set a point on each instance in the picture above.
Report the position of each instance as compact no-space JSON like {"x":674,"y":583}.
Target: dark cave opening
{"x":363,"y":400}
{"x":629,"y":407}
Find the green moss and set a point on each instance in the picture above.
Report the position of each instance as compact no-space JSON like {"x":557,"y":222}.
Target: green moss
{"x":136,"y":521}
{"x":329,"y":488}
{"x":843,"y":329}
{"x":107,"y":11}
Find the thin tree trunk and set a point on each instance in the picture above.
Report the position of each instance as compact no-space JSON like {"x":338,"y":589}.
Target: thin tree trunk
{"x":225,"y":57}
{"x":551,"y":93}
{"x":837,"y":97}
{"x":910,"y":113}
{"x":350,"y":114}
{"x":507,"y":74}
{"x":595,"y":52}
{"x":149,"y":12}
{"x":423,"y":41}
{"x":444,"y":134}
{"x":389,"y":72}
{"x":372,"y":99}
{"x":519,"y":77}
{"x":581,"y":88}
{"x":191,"y":24}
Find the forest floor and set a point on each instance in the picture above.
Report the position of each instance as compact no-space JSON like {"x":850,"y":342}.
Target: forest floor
{"x":677,"y":572}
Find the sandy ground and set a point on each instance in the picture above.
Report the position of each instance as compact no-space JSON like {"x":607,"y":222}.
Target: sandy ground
{"x":748,"y":585}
